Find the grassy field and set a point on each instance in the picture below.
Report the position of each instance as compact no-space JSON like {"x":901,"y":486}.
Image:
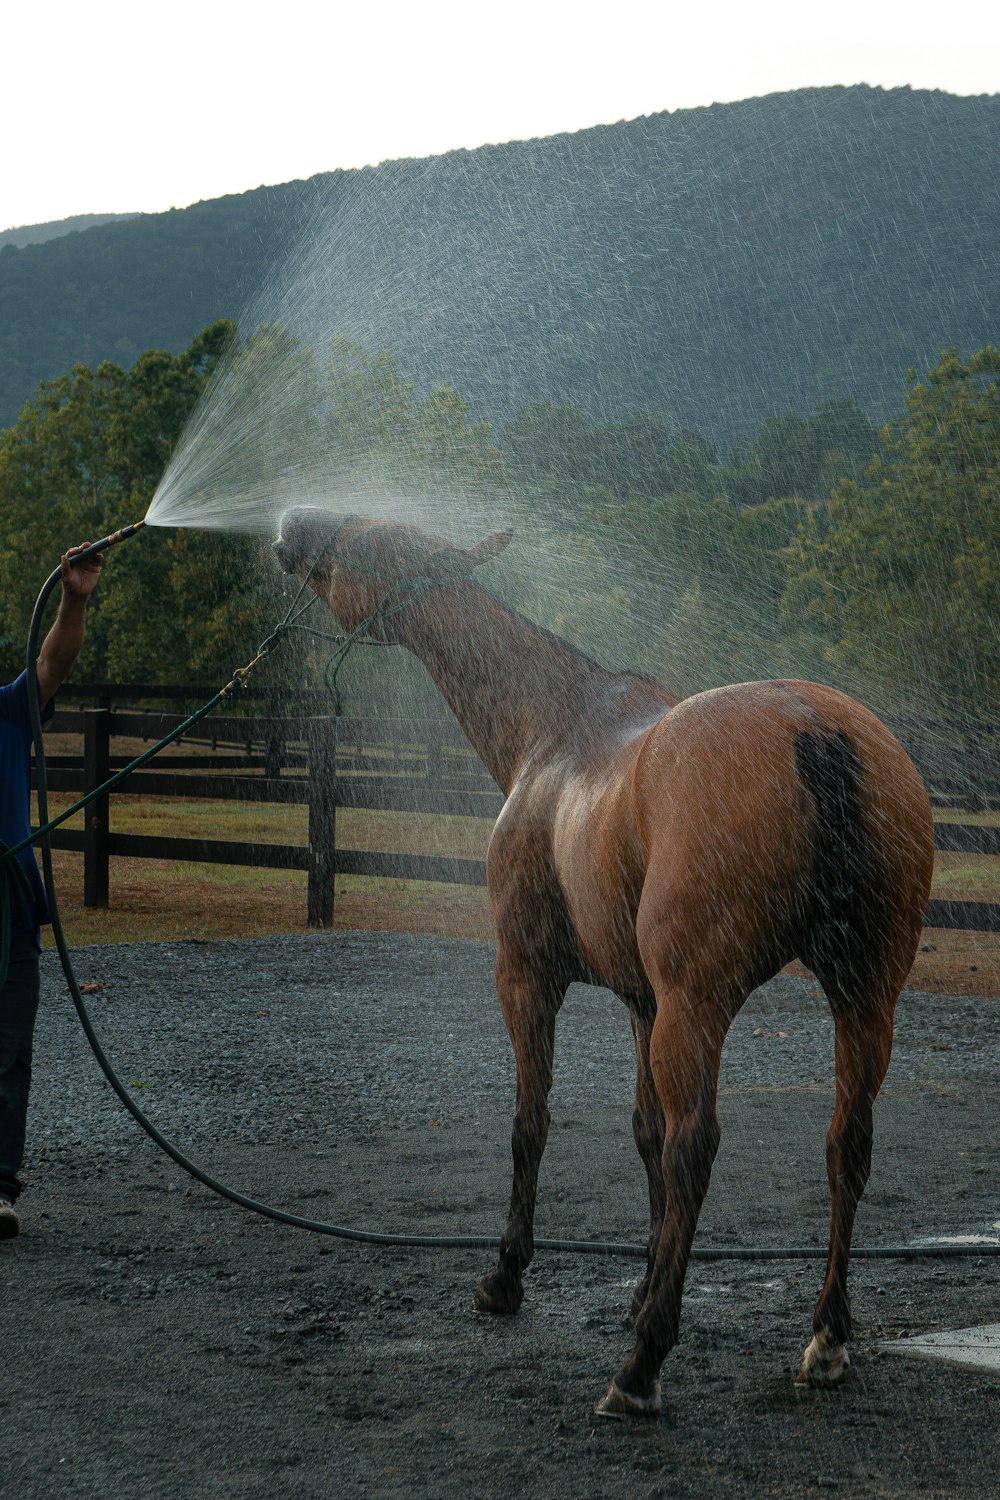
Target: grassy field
{"x":159,"y":900}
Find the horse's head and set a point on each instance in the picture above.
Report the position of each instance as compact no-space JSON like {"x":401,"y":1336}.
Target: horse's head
{"x":358,"y":565}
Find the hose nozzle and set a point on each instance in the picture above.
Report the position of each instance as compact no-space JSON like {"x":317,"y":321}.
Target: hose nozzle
{"x":121,"y":535}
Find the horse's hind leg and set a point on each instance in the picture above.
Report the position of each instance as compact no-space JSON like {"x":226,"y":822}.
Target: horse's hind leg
{"x":685,"y":1050}
{"x":647,"y":1128}
{"x":530,"y":1003}
{"x":872,"y":860}
{"x":863,"y":1049}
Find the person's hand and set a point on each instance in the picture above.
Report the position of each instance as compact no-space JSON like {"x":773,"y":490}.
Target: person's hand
{"x":83,"y":578}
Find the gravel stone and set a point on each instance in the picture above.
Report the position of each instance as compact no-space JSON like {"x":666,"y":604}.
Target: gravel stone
{"x":162,"y":1342}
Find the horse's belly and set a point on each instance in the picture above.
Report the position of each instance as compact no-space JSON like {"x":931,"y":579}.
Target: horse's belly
{"x":600,"y":866}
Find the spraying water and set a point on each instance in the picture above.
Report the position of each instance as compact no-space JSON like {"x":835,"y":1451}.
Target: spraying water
{"x":306,"y":412}
{"x":272,"y":428}
{"x":288,"y":419}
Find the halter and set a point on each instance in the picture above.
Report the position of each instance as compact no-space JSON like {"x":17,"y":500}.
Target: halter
{"x":418,"y":585}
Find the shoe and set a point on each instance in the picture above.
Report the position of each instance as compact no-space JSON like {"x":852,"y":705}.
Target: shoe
{"x":10,"y":1224}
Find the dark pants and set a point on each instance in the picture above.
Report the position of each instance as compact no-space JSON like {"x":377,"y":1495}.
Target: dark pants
{"x":18,"y":1007}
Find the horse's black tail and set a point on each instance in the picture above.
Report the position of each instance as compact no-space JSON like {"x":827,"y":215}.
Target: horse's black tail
{"x":837,"y":940}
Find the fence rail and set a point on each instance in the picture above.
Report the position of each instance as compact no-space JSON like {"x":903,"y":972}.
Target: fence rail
{"x":324,"y":764}
{"x":314,"y":761}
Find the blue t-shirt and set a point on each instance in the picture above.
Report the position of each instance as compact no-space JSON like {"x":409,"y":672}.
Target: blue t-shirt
{"x":15,"y":793}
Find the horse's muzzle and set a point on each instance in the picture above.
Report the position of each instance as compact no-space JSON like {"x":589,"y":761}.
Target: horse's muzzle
{"x":285,"y":554}
{"x":297,"y":540}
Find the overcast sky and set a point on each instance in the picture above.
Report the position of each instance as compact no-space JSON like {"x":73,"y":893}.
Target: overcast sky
{"x":110,"y":106}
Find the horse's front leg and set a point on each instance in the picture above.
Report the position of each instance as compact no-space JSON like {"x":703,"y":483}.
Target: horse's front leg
{"x":530,"y":1002}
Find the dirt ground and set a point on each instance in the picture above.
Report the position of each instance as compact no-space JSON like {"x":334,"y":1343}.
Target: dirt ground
{"x":160,"y":1342}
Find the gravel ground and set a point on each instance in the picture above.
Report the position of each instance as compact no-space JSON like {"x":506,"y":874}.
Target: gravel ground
{"x":161,"y":1342}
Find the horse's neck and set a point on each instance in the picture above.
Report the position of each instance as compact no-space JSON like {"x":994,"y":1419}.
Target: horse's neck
{"x":510,"y":685}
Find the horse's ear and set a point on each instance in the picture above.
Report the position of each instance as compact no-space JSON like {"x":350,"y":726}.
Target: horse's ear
{"x":450,"y":564}
{"x":490,"y":547}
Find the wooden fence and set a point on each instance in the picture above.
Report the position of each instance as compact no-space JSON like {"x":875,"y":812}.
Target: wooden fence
{"x":314,"y":760}
{"x":413,"y":765}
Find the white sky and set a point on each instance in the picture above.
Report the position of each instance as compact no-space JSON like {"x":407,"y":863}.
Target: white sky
{"x":116,"y":105}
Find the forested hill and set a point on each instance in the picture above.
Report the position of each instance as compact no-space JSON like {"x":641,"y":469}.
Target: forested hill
{"x":54,"y":229}
{"x":715,"y":266}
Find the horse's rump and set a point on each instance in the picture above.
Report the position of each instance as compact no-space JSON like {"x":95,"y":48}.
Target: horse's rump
{"x":775,"y":808}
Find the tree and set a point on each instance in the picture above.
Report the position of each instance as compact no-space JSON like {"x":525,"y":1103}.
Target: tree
{"x":900,"y":575}
{"x":630,"y":458}
{"x":691,"y":465}
{"x":704,"y":644}
{"x":546,"y":442}
{"x":845,"y":440}
{"x":157,"y":398}
{"x":377,"y":433}
{"x":573,"y":583}
{"x":88,"y":453}
{"x":84,"y":458}
{"x":803,"y":456}
{"x":447,"y":446}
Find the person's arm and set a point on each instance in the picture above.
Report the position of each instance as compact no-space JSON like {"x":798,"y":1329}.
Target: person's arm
{"x":61,"y":646}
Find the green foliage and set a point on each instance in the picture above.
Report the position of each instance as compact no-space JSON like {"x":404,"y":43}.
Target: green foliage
{"x":382,"y":434}
{"x":278,"y":385}
{"x":551,"y":452}
{"x":86,"y":455}
{"x":84,"y":458}
{"x":691,"y":465}
{"x":899,"y":575}
{"x":188,"y":607}
{"x":547,"y":443}
{"x":571,"y":583}
{"x":793,"y":455}
{"x":706,"y":582}
{"x":704,"y":644}
{"x":881,"y":573}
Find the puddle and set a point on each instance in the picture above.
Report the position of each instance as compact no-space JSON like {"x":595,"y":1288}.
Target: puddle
{"x":960,"y":1239}
{"x":970,"y":1348}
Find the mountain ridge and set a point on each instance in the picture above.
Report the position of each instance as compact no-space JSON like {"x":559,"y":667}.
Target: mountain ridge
{"x":716,"y":265}
{"x":20,"y":235}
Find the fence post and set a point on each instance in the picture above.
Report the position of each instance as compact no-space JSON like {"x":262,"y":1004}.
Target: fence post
{"x":274,"y":756}
{"x":322,"y":821}
{"x":435,"y":758}
{"x":96,"y":827}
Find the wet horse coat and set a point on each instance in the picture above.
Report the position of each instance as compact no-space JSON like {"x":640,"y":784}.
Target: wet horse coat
{"x":678,"y":853}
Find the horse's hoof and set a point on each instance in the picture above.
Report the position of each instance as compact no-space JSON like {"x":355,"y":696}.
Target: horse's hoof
{"x":493,"y":1296}
{"x":823,"y":1363}
{"x":617,"y":1405}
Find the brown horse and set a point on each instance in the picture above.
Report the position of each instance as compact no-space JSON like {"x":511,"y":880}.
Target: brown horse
{"x":680,"y":853}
